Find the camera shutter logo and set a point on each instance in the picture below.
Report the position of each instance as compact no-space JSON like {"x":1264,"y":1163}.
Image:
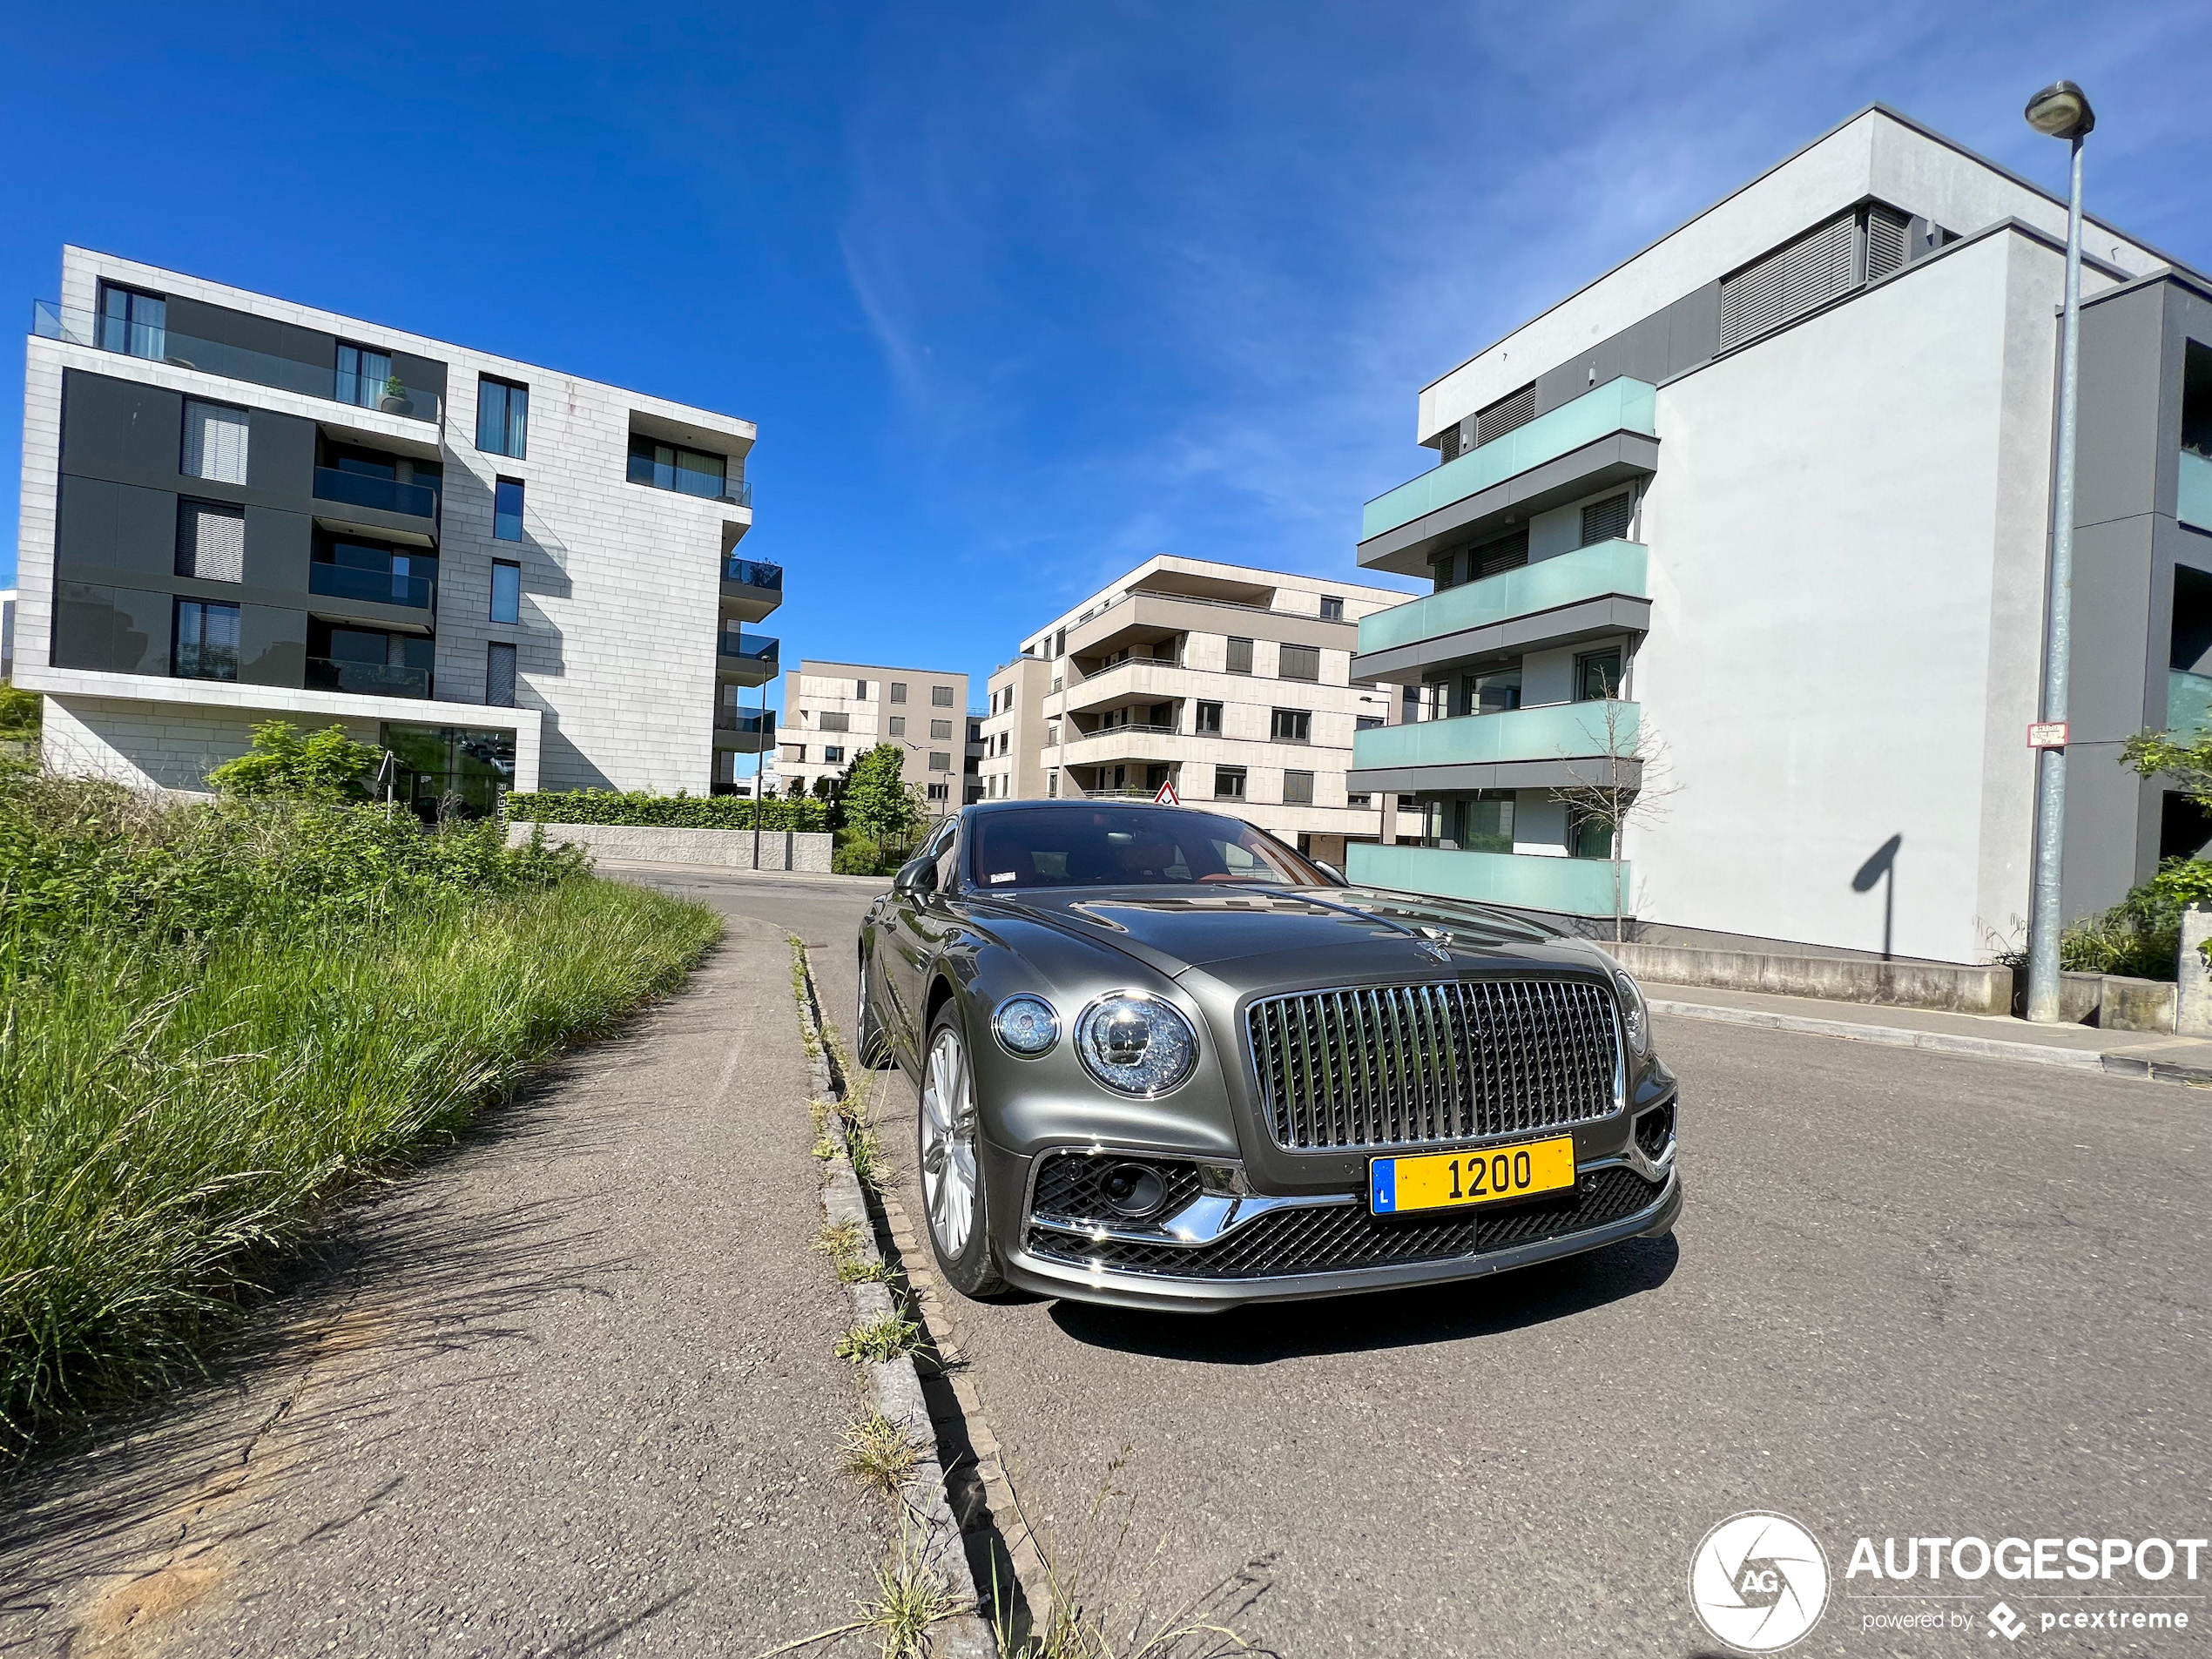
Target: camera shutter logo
{"x":1758,"y":1582}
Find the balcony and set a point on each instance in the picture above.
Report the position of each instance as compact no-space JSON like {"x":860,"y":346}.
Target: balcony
{"x":2188,"y":701}
{"x":378,"y":494}
{"x":2194,"y":505}
{"x":1142,"y":743}
{"x":51,"y":321}
{"x":750,"y":588}
{"x":1552,"y":746}
{"x":367,"y":679}
{"x":372,"y":587}
{"x":1518,"y":880}
{"x":744,"y":730}
{"x":1595,"y":590}
{"x":1139,"y":680}
{"x":1554,"y":458}
{"x":748,"y":659}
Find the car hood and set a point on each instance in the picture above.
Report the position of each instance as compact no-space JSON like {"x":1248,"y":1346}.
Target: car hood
{"x":1257,"y":936}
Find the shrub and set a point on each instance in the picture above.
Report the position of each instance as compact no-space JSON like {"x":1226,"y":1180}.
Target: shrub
{"x":326,"y":766}
{"x":666,"y":811}
{"x":21,"y":713}
{"x":857,"y":854}
{"x":2140,"y":936}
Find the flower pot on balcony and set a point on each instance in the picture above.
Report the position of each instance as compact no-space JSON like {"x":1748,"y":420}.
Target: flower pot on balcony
{"x":391,"y":405}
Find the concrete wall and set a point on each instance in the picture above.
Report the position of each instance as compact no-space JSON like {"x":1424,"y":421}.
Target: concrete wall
{"x":799,"y":850}
{"x":1918,"y":985}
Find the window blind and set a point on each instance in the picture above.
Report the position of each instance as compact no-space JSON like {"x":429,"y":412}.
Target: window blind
{"x":211,"y":541}
{"x":214,"y":441}
{"x":1300,"y":663}
{"x":1792,"y":281}
{"x":1607,"y":520}
{"x":1508,"y":552}
{"x":499,"y":675}
{"x":1886,"y":237}
{"x":1516,"y":409}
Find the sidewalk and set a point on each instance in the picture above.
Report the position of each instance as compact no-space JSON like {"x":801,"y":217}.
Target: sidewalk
{"x":2126,"y":1054}
{"x":568,"y":1386}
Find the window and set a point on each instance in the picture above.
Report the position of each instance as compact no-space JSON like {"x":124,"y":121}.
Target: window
{"x":796,"y":753}
{"x":211,"y":541}
{"x":1228,"y":783}
{"x":1300,"y":663}
{"x":1358,"y":800}
{"x":1240,"y":655}
{"x":688,"y":472}
{"x":1331,"y":608}
{"x":1597,"y":676}
{"x":207,"y":638}
{"x":941,"y":697}
{"x":1298,"y":789}
{"x":1052,"y":786}
{"x":133,"y":323}
{"x":898,"y":691}
{"x":506,"y":590}
{"x":214,"y":441}
{"x":898,"y":725}
{"x":1506,"y":552}
{"x":836,"y":720}
{"x":940,"y":791}
{"x":1208,"y":719}
{"x":1060,"y":643}
{"x":832,"y":753}
{"x":1367,"y":722}
{"x":361,"y":375}
{"x":1052,"y":734}
{"x":1484,"y":824}
{"x":1495,"y":690}
{"x":974,"y":732}
{"x":1607,"y":520}
{"x":503,"y":418}
{"x":507,"y":510}
{"x":861,"y":690}
{"x":1588,"y":835}
{"x":499,"y":675}
{"x":940,"y":730}
{"x":940,"y":761}
{"x":1291,"y":725}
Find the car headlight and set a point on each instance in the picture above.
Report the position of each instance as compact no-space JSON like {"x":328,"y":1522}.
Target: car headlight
{"x":1136,"y":1043}
{"x":1635,"y":1015}
{"x":1027,"y":1026}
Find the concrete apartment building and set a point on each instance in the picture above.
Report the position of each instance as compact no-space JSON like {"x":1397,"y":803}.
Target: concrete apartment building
{"x":237,"y":508}
{"x":1232,"y":684}
{"x":1782,"y":483}
{"x":835,"y":712}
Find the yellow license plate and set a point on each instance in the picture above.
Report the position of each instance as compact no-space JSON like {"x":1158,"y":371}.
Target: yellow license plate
{"x":1461,"y":1180}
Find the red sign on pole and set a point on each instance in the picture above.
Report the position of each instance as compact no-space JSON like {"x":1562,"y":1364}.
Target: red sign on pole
{"x":2047,"y":734}
{"x":1167,"y":797}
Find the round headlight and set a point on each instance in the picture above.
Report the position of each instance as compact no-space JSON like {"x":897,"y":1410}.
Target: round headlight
{"x":1136,"y":1043}
{"x":1026,"y":1026}
{"x":1635,"y":1015}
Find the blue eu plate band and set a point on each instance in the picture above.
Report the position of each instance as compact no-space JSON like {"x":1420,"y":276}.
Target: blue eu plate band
{"x":1382,"y":1186}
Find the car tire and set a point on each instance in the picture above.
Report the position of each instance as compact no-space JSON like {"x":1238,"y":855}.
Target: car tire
{"x":871,"y":1042}
{"x":948,"y":1151}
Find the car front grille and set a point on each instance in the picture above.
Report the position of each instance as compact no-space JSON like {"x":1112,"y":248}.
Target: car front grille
{"x":1435,"y":1063}
{"x":1338,"y":1238}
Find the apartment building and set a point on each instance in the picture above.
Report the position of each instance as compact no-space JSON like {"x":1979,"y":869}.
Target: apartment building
{"x":835,"y":712}
{"x":1231,"y":685}
{"x":238,"y":509}
{"x":1758,"y":524}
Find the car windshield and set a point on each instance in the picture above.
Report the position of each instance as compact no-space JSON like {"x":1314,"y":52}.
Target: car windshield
{"x":1114,"y":847}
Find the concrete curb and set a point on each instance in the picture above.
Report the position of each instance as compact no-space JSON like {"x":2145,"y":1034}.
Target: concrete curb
{"x":1894,"y":1036}
{"x":894,"y":1386}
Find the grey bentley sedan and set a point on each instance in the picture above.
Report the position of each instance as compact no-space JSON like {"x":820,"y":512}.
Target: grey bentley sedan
{"x":1165,"y":1062}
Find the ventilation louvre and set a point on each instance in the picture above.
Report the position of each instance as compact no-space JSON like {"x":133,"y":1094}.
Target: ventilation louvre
{"x":1887,"y":231}
{"x":1787,"y":283}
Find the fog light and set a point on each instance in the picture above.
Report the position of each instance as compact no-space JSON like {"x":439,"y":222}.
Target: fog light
{"x":1133,"y":1190}
{"x":1655,"y":1128}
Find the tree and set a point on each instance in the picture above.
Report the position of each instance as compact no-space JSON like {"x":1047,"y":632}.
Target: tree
{"x":324,"y":766}
{"x":2187,"y":760}
{"x":879,"y":803}
{"x":1629,"y":785}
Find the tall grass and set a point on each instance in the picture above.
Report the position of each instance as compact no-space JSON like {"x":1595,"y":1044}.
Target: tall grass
{"x":215,"y":1020}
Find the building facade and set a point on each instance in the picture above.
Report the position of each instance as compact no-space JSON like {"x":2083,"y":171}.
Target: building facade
{"x":833,"y":712}
{"x":1751,"y":534}
{"x":1231,"y":685}
{"x":236,"y":509}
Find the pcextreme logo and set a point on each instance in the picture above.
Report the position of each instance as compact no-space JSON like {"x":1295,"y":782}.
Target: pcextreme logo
{"x":1758,"y":1582}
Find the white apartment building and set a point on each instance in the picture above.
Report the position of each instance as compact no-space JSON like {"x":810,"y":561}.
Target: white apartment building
{"x":1231,"y":684}
{"x":1781,"y":482}
{"x":834,"y":712}
{"x":237,"y":508}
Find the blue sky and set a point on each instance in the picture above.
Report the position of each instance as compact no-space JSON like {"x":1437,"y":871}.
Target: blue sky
{"x":1018,"y":296}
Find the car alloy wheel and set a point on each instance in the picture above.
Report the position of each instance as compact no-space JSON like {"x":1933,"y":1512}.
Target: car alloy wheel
{"x":948,"y":1169}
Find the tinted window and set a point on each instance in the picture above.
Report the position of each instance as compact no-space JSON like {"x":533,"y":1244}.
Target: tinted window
{"x":1125,"y":846}
{"x":503,"y":417}
{"x":506,"y":509}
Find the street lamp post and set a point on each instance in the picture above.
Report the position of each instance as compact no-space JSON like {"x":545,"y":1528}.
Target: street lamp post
{"x":759,"y":765}
{"x":2062,"y":110}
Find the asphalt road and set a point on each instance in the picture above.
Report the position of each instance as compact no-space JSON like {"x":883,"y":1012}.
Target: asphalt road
{"x":1909,"y":1296}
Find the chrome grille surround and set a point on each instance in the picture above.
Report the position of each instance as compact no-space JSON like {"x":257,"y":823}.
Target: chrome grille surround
{"x":1434,"y":1063}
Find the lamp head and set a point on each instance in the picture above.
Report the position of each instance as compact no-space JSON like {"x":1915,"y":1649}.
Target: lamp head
{"x":2062,"y":110}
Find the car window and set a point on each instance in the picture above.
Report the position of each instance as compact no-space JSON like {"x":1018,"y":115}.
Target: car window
{"x":1128,"y":846}
{"x":947,"y":849}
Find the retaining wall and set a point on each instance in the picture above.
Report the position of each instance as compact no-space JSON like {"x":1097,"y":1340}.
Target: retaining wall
{"x":1960,"y":988}
{"x":798,"y":850}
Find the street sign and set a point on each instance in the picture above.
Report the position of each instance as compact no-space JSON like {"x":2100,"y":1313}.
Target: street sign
{"x":2047,"y":734}
{"x":1167,"y":797}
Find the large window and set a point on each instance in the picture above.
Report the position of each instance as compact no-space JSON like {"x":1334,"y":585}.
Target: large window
{"x":451,"y":770}
{"x":1291,"y":725}
{"x":940,"y":730}
{"x":362,"y":374}
{"x":1587,"y":836}
{"x":499,"y":675}
{"x":506,"y":591}
{"x":211,"y":541}
{"x":667,"y":466}
{"x":1597,"y":676}
{"x":1484,"y":824}
{"x":940,"y":761}
{"x":1493,"y":691}
{"x":1240,"y":655}
{"x":1228,"y":783}
{"x":506,"y":509}
{"x":1298,"y":789}
{"x":1607,"y":520}
{"x":133,"y":323}
{"x":941,"y":697}
{"x":836,"y":720}
{"x":214,"y":441}
{"x":206,"y":641}
{"x":1300,"y":663}
{"x":503,"y":418}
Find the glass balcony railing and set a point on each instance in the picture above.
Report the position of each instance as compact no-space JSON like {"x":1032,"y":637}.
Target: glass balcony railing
{"x":162,"y":345}
{"x":1622,"y":405}
{"x":753,"y":722}
{"x":369,"y":679}
{"x":1587,"y":573}
{"x":383,"y":495}
{"x":752,"y":647}
{"x":1520,"y":880}
{"x":2188,"y":701}
{"x":753,"y":573}
{"x":1556,"y":731}
{"x":2194,"y":506}
{"x":376,"y":587}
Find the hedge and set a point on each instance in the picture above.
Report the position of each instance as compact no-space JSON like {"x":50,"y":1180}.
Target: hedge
{"x":666,"y":811}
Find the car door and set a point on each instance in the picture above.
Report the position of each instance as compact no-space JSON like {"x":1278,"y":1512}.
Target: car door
{"x":909,"y":930}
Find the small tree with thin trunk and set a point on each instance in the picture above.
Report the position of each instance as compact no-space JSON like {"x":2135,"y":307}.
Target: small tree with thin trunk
{"x":879,"y":802}
{"x":1630,"y":785}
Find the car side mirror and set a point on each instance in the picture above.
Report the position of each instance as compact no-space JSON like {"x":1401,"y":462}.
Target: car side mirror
{"x":917,"y":878}
{"x":1331,"y":871}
